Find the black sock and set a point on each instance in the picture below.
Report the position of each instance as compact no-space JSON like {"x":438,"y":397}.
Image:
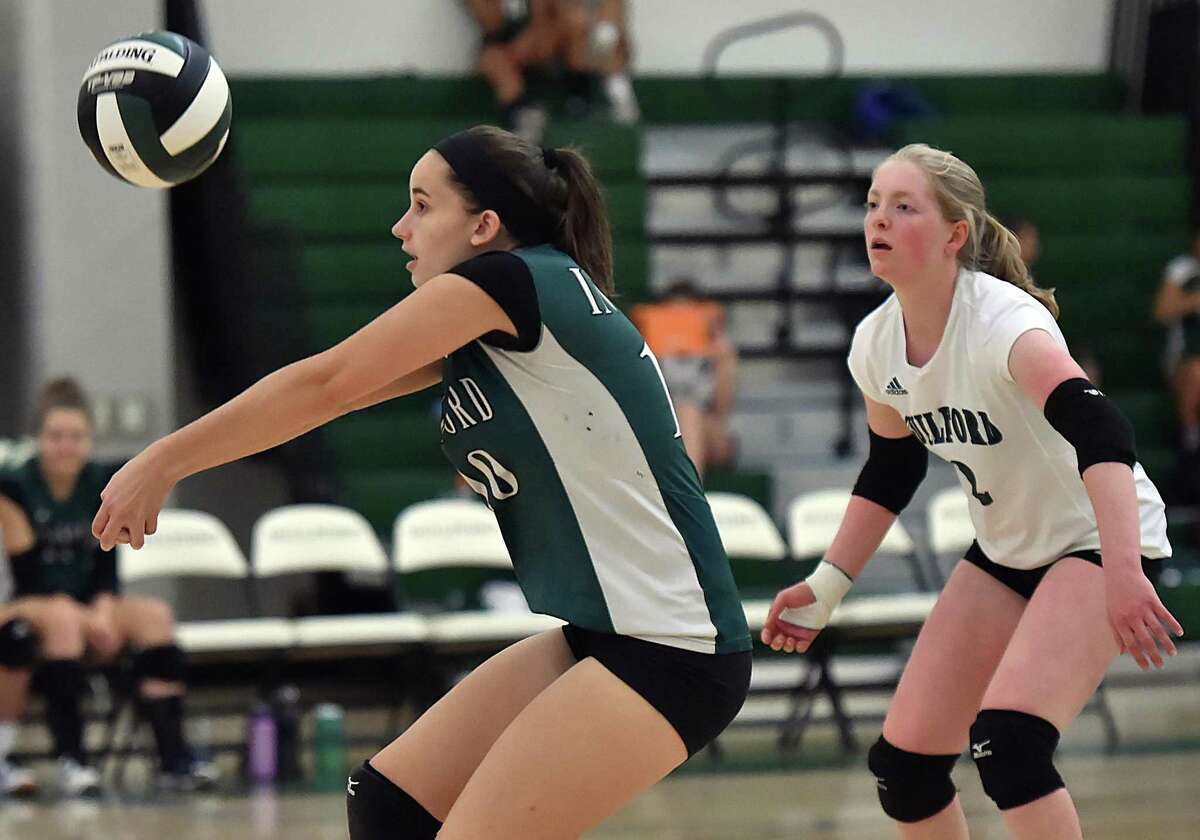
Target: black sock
{"x":165,"y":715}
{"x":62,"y":687}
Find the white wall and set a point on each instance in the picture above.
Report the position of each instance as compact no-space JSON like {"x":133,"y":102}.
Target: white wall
{"x":96,"y":259}
{"x":436,"y":37}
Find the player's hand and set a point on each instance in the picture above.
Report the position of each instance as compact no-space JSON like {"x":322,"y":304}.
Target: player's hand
{"x":779,"y":634}
{"x":1138,"y":619}
{"x":131,"y":502}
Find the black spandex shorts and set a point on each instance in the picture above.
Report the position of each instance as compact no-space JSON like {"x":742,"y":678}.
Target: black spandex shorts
{"x":698,"y":693}
{"x":1025,"y":581}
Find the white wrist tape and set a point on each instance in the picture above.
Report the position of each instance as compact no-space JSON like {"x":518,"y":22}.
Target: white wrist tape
{"x":829,"y":584}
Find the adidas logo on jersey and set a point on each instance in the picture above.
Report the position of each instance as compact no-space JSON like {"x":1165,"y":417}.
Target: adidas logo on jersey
{"x":894,"y":388}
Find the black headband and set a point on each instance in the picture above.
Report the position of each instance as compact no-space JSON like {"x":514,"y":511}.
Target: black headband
{"x":524,"y":219}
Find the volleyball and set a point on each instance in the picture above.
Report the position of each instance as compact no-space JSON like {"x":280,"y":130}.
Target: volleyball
{"x":154,"y":109}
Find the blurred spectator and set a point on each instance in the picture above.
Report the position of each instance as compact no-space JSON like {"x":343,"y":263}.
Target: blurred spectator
{"x":66,"y":587}
{"x":517,"y":35}
{"x":1027,"y":236}
{"x":699,"y":363}
{"x":587,"y":37}
{"x":1178,"y":308}
{"x":597,"y":46}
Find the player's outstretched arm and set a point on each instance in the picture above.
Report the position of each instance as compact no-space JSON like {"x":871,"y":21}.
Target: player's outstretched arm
{"x":1103,"y":441}
{"x":895,"y":467}
{"x":444,"y":314}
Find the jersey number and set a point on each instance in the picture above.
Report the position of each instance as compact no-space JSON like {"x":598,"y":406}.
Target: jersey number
{"x":646,"y":354}
{"x":984,"y":497}
{"x":603,"y":306}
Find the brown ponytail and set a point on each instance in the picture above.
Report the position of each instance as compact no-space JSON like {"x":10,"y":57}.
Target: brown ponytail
{"x":560,"y":182}
{"x":990,"y":246}
{"x":585,"y":235}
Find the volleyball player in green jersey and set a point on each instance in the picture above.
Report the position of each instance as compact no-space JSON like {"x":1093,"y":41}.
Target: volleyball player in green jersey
{"x":554,"y":409}
{"x":66,"y":586}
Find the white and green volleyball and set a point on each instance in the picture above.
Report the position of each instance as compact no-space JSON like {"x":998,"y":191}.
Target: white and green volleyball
{"x":154,"y":109}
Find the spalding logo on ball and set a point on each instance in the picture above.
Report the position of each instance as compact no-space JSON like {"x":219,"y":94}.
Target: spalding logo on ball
{"x":155,"y":109}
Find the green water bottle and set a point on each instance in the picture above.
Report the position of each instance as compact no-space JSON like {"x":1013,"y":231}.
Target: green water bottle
{"x":329,"y":747}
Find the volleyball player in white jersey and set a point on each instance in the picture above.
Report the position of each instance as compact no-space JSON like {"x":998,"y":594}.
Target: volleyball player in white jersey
{"x":966,"y":361}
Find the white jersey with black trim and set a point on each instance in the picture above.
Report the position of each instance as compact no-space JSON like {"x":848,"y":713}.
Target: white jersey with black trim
{"x":1028,"y":503}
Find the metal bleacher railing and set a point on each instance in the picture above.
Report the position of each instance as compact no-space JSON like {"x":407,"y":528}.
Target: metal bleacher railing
{"x":783,"y":225}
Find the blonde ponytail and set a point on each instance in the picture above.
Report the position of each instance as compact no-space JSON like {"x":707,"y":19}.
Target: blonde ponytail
{"x":990,"y":246}
{"x":999,"y":254}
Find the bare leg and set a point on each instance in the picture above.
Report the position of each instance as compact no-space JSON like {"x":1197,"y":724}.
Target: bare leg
{"x":945,"y":679}
{"x":585,"y":747}
{"x":1058,"y":656}
{"x":147,"y":623}
{"x":435,"y":757}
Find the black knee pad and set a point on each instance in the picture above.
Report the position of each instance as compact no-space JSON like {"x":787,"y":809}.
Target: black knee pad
{"x":912,"y":786}
{"x":1014,"y":753}
{"x":18,"y":644}
{"x":165,"y":662}
{"x":379,"y":810}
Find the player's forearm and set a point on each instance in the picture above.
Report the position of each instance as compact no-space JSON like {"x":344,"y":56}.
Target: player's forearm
{"x":279,"y":407}
{"x":1114,"y":499}
{"x":862,"y":530}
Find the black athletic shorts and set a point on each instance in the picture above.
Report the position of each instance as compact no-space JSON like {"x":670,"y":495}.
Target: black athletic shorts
{"x":1025,"y":581}
{"x":698,"y":693}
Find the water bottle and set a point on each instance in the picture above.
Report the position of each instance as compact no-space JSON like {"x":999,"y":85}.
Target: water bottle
{"x":285,"y":702}
{"x":329,"y":747}
{"x":261,"y":747}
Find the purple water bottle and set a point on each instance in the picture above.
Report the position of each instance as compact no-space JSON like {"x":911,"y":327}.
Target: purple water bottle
{"x":261,"y":745}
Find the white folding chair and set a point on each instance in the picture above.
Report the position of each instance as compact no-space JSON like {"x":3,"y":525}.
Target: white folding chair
{"x":812,"y":522}
{"x":452,"y":544}
{"x":190,"y":543}
{"x":745,"y":527}
{"x":882,"y":605}
{"x":316,"y":538}
{"x":757,"y":552}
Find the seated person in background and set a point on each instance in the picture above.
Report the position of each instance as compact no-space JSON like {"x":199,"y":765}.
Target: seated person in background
{"x":597,"y":45}
{"x":517,"y":34}
{"x":1027,"y":237}
{"x":1030,"y":243}
{"x":1178,"y":308}
{"x":66,"y":587}
{"x":18,"y":649}
{"x":699,"y":363}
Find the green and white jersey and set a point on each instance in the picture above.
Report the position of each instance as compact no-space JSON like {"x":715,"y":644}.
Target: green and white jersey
{"x":575,"y":446}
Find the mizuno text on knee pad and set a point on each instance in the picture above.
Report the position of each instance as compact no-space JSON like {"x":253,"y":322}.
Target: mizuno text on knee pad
{"x":1014,"y":752}
{"x":912,"y":786}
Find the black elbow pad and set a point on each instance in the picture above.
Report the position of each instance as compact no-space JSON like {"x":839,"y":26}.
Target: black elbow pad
{"x":894,"y":469}
{"x":1090,"y":422}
